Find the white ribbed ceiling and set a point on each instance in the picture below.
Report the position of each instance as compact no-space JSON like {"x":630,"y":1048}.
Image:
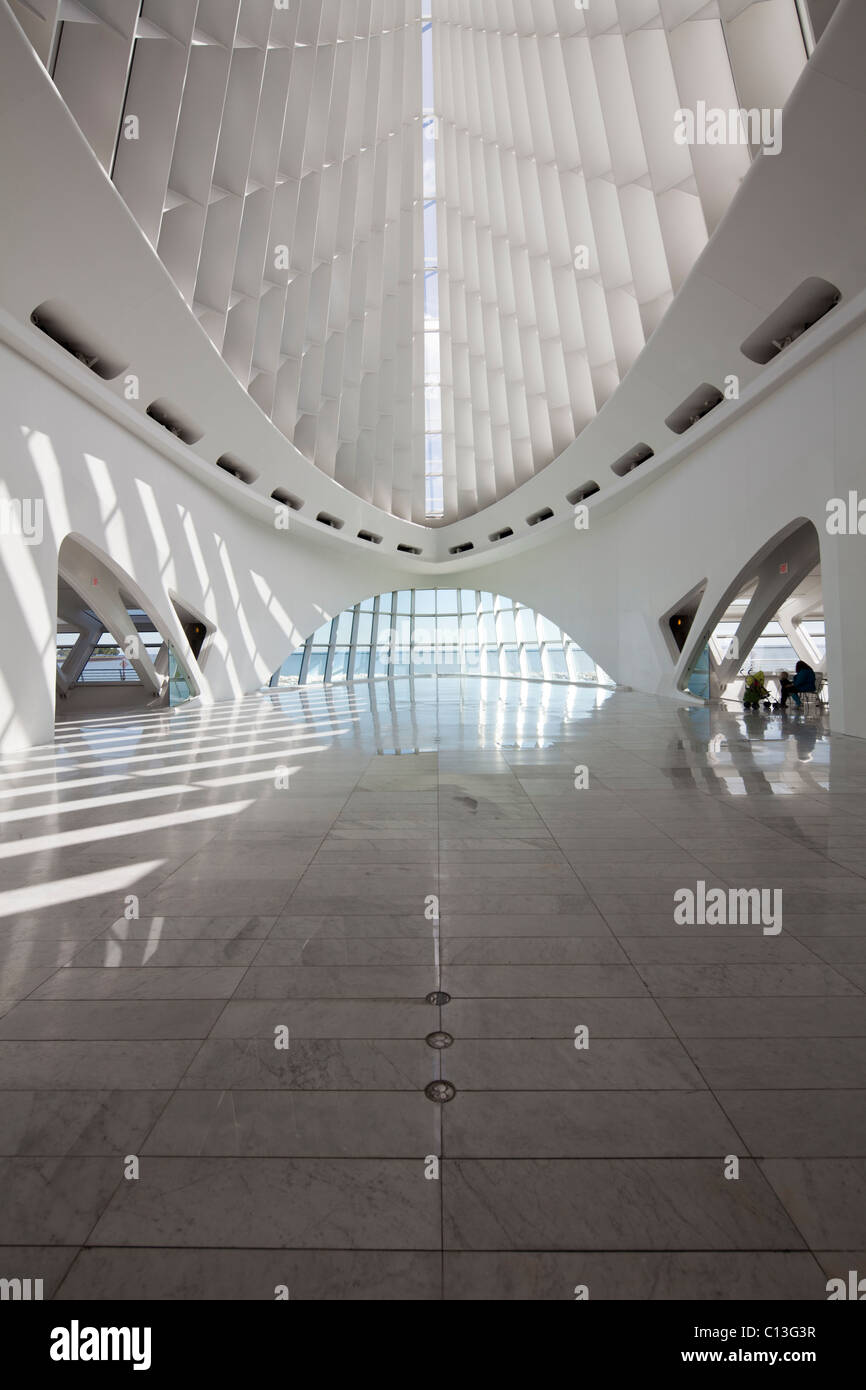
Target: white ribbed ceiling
{"x":278,"y":171}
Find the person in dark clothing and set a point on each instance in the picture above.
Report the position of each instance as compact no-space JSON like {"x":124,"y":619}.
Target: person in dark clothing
{"x":785,"y":684}
{"x":803,"y":683}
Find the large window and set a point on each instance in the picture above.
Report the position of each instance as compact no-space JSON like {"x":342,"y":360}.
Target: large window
{"x":108,"y":664}
{"x":772,"y":650}
{"x":423,"y":632}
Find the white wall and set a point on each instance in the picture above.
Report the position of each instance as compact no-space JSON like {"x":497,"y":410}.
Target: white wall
{"x":610,"y":585}
{"x":265,"y":590}
{"x":170,"y":522}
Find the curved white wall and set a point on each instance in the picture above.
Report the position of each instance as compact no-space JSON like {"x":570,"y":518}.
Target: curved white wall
{"x":261,"y":588}
{"x":265,"y":590}
{"x":175,"y":524}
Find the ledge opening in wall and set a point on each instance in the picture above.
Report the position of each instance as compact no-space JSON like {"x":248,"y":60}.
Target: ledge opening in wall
{"x":165,"y":414}
{"x":695,"y":406}
{"x":229,"y":464}
{"x":195,"y":629}
{"x":287,"y":499}
{"x":543,"y":515}
{"x":501,"y":535}
{"x":676,"y":623}
{"x":580,"y":494}
{"x":809,"y":302}
{"x":628,"y":462}
{"x":68,"y":330}
{"x":409,"y":549}
{"x":369,"y":536}
{"x":459,"y":549}
{"x":333,"y":521}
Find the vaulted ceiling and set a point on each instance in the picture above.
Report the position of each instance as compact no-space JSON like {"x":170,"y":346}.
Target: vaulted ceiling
{"x":279,"y":156}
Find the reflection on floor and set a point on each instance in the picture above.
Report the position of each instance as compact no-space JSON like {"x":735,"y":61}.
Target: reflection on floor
{"x":284,"y":856}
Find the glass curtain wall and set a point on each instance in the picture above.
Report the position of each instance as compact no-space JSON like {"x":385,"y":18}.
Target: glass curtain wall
{"x":108,"y":664}
{"x":772,"y":651}
{"x":425,"y":632}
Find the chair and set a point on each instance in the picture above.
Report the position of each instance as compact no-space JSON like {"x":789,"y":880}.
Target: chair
{"x":812,"y":702}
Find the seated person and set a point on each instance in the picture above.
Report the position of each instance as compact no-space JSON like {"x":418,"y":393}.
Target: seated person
{"x":755,"y":691}
{"x":803,"y":683}
{"x":785,"y":684}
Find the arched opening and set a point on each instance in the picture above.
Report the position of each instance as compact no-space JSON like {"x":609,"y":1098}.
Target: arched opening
{"x":796,"y":632}
{"x":770,"y":618}
{"x":439,"y":632}
{"x":111,"y":652}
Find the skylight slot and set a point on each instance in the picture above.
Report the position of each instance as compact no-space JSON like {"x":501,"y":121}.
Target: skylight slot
{"x":434,"y":492}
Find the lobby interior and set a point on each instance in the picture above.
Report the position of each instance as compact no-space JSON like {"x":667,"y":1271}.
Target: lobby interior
{"x":397,"y":899}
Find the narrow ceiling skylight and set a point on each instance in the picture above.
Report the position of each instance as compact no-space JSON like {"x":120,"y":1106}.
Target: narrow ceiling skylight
{"x":434,"y":501}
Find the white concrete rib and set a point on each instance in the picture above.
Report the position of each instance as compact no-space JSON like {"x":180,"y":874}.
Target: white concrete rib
{"x":276,"y":167}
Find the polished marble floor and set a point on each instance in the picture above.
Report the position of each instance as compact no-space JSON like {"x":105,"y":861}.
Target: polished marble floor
{"x":183,"y":893}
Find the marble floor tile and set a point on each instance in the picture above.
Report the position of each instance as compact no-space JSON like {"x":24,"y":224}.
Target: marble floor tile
{"x":110,"y":1019}
{"x":766,"y":1016}
{"x":643,"y":1276}
{"x":778,"y":1063}
{"x":156,"y":952}
{"x":718,"y":949}
{"x":46,"y":1262}
{"x":336,"y":982}
{"x":296,"y":1124}
{"x":183,"y":892}
{"x":824,"y":1197}
{"x":841,"y":951}
{"x":173,"y":982}
{"x":745,"y":979}
{"x":548,"y":1064}
{"x":531,"y":950}
{"x":128,"y":1065}
{"x":19,"y":981}
{"x":544,"y":1017}
{"x":308,"y":909}
{"x":310,"y":1064}
{"x":34,"y":954}
{"x":602,"y":1124}
{"x":586,"y":922}
{"x":233,"y":1275}
{"x":547,"y":981}
{"x":273,"y":1202}
{"x":240,"y":928}
{"x":611,"y":1204}
{"x":77,"y":1122}
{"x":366,"y":950}
{"x":799,"y":1123}
{"x":838,"y":1264}
{"x":54,"y":1200}
{"x":328,"y":1018}
{"x":293,"y":926}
